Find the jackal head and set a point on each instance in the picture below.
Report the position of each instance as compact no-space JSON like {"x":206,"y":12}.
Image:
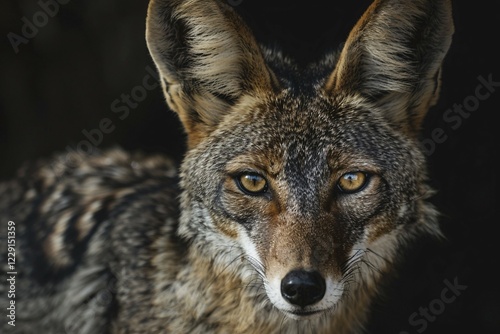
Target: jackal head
{"x":314,"y":175}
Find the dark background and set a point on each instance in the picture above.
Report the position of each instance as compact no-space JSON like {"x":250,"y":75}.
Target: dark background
{"x":63,"y":80}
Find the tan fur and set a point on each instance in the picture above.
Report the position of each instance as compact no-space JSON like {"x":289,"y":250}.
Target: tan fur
{"x":123,"y":242}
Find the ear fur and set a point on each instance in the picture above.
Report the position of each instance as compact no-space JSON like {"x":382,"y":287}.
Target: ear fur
{"x":207,"y":59}
{"x":393,"y":57}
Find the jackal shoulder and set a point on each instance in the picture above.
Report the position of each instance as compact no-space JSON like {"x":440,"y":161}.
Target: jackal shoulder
{"x":80,"y":224}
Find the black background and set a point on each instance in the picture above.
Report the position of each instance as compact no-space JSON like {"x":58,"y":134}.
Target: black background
{"x":64,"y":80}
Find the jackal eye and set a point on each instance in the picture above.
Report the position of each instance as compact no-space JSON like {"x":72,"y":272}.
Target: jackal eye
{"x":251,"y":183}
{"x":352,"y":182}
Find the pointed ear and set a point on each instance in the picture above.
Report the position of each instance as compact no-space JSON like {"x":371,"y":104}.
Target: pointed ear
{"x":207,"y":59}
{"x":393,"y":57}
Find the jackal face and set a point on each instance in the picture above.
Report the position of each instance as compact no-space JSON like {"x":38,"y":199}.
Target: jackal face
{"x":315,"y":178}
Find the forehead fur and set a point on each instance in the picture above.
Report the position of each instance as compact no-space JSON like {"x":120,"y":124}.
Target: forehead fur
{"x":308,"y":144}
{"x":304,"y":127}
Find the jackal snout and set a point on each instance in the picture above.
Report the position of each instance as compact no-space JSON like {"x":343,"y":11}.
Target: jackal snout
{"x":303,"y":288}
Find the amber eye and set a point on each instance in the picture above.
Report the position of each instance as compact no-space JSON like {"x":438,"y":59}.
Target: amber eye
{"x":352,"y":182}
{"x":251,"y":183}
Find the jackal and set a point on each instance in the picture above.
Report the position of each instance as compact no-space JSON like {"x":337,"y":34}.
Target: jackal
{"x":298,"y":192}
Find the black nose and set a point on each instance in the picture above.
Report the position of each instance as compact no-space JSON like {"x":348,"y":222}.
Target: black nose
{"x":303,"y":288}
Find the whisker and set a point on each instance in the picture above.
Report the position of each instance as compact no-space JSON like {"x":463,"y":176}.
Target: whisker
{"x":380,"y":256}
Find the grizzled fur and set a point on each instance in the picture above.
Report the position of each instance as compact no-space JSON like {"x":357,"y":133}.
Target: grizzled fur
{"x":119,"y":243}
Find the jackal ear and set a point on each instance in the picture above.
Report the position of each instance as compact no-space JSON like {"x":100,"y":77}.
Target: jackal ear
{"x":393,"y":57}
{"x":207,"y":59}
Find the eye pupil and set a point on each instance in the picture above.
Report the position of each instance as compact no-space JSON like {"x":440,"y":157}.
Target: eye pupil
{"x":352,"y":182}
{"x":252,"y":183}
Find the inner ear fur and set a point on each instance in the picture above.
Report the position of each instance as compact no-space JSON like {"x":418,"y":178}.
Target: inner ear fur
{"x":393,"y":58}
{"x":207,"y":58}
